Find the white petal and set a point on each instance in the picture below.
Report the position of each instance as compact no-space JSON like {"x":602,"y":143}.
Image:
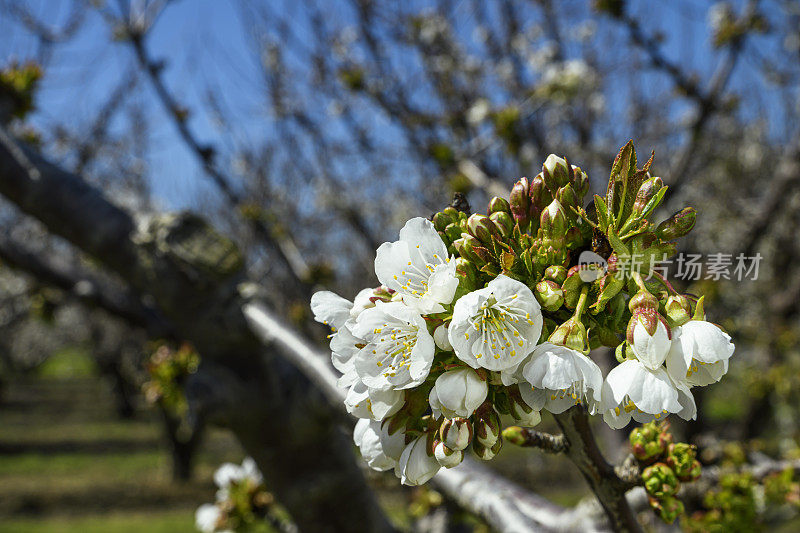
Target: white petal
{"x":367,"y":438}
{"x":706,"y":342}
{"x":651,"y":350}
{"x":330,"y":308}
{"x":206,"y":516}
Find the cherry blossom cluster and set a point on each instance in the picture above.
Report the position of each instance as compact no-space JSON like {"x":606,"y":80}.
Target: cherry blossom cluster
{"x":241,"y":500}
{"x":482,"y":316}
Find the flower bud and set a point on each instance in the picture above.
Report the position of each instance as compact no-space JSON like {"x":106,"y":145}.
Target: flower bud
{"x":677,"y":225}
{"x":487,"y":425}
{"x":520,"y":202}
{"x":503,"y":222}
{"x":484,"y":452}
{"x":555,"y":172}
{"x":650,"y":345}
{"x":678,"y":309}
{"x":682,"y":458}
{"x":447,"y":457}
{"x":470,"y":248}
{"x":441,"y":221}
{"x":580,"y":182}
{"x":539,"y":194}
{"x":646,"y":192}
{"x":481,"y":227}
{"x":549,"y":295}
{"x":417,"y":463}
{"x":660,"y":481}
{"x":456,"y":433}
{"x":452,"y":232}
{"x":568,"y":198}
{"x":556,"y":273}
{"x":523,"y":414}
{"x":499,"y":205}
{"x":440,"y":338}
{"x":553,"y":221}
{"x":668,"y":508}
{"x":467,"y":274}
{"x":572,"y":287}
{"x":648,"y":442}
{"x":458,"y":392}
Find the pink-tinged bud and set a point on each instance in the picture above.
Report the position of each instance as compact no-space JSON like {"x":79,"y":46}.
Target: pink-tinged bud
{"x":499,"y":205}
{"x":556,"y":273}
{"x":503,"y":222}
{"x":447,"y":457}
{"x":456,"y":433}
{"x":642,"y":300}
{"x":539,"y":194}
{"x":549,"y":295}
{"x":520,"y":202}
{"x":678,"y":225}
{"x":580,"y":181}
{"x":646,"y":192}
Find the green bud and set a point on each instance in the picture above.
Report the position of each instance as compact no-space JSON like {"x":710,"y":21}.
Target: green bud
{"x":580,"y":182}
{"x":556,"y":273}
{"x":678,"y":309}
{"x":568,"y":198}
{"x":668,"y":508}
{"x":481,"y":227}
{"x":499,"y":205}
{"x":470,"y":248}
{"x":503,"y":222}
{"x":682,"y":458}
{"x":660,"y":481}
{"x":678,"y":225}
{"x":468,"y":274}
{"x":648,"y":442}
{"x":549,"y":295}
{"x":572,"y":287}
{"x":452,"y":232}
{"x":555,"y":172}
{"x":441,"y":220}
{"x":515,"y":435}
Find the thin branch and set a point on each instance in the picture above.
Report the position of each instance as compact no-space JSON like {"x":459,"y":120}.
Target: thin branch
{"x":530,"y":438}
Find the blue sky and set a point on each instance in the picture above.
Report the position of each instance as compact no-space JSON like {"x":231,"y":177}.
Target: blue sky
{"x":205,"y":47}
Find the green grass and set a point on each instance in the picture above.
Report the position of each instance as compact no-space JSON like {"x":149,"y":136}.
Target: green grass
{"x":68,"y":463}
{"x":68,"y":363}
{"x":172,"y":521}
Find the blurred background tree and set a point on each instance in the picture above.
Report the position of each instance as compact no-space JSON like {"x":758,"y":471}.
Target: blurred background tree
{"x":309,"y":130}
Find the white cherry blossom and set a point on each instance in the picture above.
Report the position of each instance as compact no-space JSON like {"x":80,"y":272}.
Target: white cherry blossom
{"x":398,"y":350}
{"x":229,"y":473}
{"x":699,"y":356}
{"x":633,"y":390}
{"x":496,"y":327}
{"x":363,"y":402}
{"x":415,"y":466}
{"x":367,"y":436}
{"x":458,"y":392}
{"x":651,"y":350}
{"x":206,"y":518}
{"x":558,"y":377}
{"x":418,"y":267}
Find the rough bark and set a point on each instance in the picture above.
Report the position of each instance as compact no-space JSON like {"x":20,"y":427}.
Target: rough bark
{"x":192,"y":274}
{"x":603,"y":480}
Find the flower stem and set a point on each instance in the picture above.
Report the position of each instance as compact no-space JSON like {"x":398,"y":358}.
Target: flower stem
{"x":581,"y":302}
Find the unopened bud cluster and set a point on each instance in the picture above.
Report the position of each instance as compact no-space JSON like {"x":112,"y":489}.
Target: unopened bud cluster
{"x":491,"y":314}
{"x":665,"y":465}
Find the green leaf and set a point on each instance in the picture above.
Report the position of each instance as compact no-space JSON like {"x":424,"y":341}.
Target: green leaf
{"x":602,"y":213}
